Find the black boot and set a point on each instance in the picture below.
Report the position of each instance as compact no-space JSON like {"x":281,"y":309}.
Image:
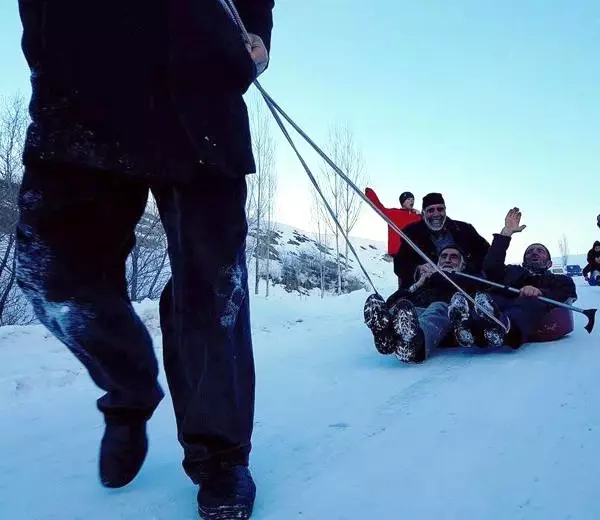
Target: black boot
{"x":122,"y":451}
{"x":411,"y":340}
{"x":226,"y":493}
{"x":460,"y":316}
{"x":493,"y":334}
{"x":379,"y":320}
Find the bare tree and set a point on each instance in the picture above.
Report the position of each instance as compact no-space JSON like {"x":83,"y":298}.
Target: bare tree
{"x":352,"y":163}
{"x":261,"y":186}
{"x":14,"y":308}
{"x":563,"y":247}
{"x":320,"y":221}
{"x":343,"y":200}
{"x":269,"y":227}
{"x":334,"y":194}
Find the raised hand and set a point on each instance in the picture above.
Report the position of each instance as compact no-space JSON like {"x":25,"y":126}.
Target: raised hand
{"x":512,"y":223}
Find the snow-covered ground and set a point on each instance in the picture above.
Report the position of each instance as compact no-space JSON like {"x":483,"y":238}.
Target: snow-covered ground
{"x":341,"y":432}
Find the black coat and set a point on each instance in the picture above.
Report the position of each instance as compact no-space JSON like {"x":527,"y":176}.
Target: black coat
{"x":592,"y":264}
{"x":554,"y":286}
{"x":592,"y":254}
{"x":151,"y":88}
{"x":465,"y":237}
{"x":436,"y":289}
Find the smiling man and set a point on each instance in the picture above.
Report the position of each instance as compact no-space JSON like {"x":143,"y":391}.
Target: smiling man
{"x":415,"y":320}
{"x":434,"y":232}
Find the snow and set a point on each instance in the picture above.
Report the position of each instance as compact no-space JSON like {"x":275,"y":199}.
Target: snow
{"x":341,"y":431}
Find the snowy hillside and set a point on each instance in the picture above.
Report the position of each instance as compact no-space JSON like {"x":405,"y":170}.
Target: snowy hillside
{"x":297,"y":258}
{"x":341,"y":433}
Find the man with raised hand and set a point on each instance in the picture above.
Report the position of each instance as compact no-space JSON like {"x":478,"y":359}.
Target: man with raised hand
{"x":521,"y":312}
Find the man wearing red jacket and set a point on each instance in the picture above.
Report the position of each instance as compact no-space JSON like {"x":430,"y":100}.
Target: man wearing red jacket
{"x":402,"y":217}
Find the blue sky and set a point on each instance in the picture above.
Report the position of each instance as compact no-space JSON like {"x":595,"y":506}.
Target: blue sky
{"x":495,"y":103}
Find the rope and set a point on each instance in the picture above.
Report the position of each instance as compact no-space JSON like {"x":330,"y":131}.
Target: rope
{"x":318,"y":188}
{"x":275,"y":108}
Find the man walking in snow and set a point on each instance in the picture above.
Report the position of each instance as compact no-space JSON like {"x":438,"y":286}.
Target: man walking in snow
{"x":402,"y":216}
{"x":128,"y":97}
{"x":522,"y":312}
{"x":414,"y":321}
{"x":431,"y":235}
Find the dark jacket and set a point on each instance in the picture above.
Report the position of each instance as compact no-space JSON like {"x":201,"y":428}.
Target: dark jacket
{"x":589,"y":268}
{"x":592,"y":264}
{"x":464,"y":235}
{"x":592,"y":254}
{"x":554,"y":286}
{"x":151,"y":88}
{"x":435,"y":289}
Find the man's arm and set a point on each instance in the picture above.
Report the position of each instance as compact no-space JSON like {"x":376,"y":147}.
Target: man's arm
{"x":407,"y":261}
{"x":257,"y":16}
{"x":372,"y":196}
{"x":494,"y":266}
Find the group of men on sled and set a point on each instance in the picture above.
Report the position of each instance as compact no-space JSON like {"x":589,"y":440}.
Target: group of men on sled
{"x":428,"y":310}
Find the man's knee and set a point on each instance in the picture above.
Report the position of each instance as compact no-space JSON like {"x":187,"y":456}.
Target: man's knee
{"x":35,"y":272}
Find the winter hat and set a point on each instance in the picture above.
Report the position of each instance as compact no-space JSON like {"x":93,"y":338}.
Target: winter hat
{"x":463,"y":258}
{"x":451,"y":246}
{"x":406,"y":195}
{"x":536,"y":244}
{"x":432,"y":198}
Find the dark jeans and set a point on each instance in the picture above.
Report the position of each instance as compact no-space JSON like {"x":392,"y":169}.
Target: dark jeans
{"x":435,"y":324}
{"x":75,"y":233}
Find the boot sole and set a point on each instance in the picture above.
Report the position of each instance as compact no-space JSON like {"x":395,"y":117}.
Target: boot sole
{"x":235,"y":512}
{"x":494,"y":336}
{"x":411,"y":347}
{"x":458,"y":316}
{"x":376,"y":315}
